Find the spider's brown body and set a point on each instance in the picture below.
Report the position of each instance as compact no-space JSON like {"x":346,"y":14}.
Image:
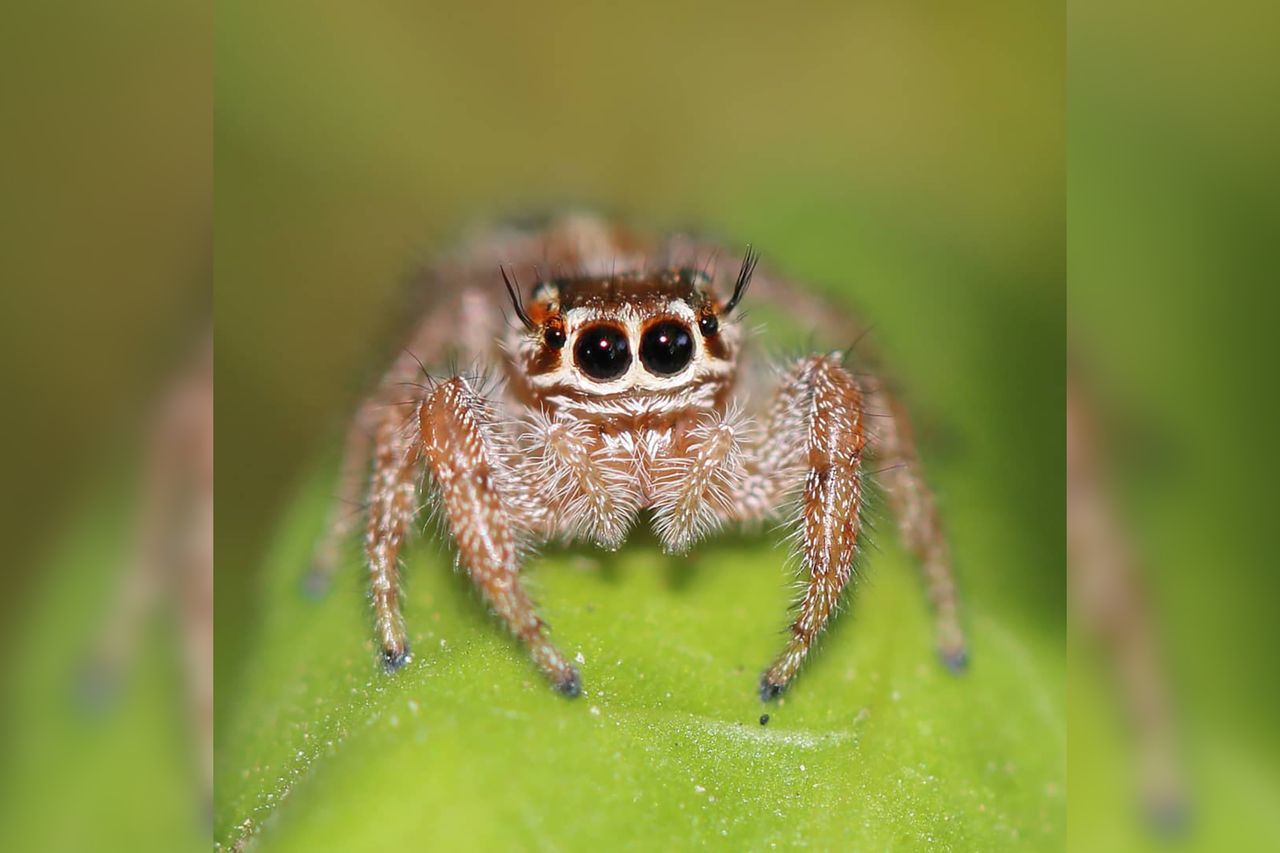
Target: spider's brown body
{"x":622,"y":391}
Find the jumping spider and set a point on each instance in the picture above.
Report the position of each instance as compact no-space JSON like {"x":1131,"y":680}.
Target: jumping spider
{"x":621,"y":390}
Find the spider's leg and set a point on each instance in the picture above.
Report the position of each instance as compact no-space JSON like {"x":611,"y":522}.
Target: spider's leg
{"x":912,"y":503}
{"x":458,"y":323}
{"x":197,"y":608}
{"x":344,"y":512}
{"x":177,"y":480}
{"x":486,"y":500}
{"x":172,"y":561}
{"x":1107,"y":595}
{"x":814,"y":435}
{"x":392,"y":503}
{"x":115,"y":646}
{"x":405,"y":379}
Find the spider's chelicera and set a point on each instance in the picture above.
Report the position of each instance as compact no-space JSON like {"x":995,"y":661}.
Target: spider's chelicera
{"x":623,"y":391}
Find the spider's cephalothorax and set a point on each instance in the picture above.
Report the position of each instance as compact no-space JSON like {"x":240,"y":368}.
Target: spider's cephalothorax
{"x":641,"y":345}
{"x":623,"y":392}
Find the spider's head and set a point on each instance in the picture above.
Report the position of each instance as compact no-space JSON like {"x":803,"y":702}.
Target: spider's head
{"x":632,"y":334}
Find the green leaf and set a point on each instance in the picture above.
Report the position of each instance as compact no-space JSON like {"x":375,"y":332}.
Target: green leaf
{"x":875,"y":746}
{"x":118,"y":772}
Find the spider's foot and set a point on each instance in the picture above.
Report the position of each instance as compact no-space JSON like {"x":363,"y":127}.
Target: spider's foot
{"x":97,"y":687}
{"x":570,"y":684}
{"x":770,"y":689}
{"x":394,"y":659}
{"x":955,"y":658}
{"x":1168,"y":814}
{"x":316,"y":583}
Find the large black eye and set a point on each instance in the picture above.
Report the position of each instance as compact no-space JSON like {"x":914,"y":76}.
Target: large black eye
{"x":666,"y":348}
{"x":602,"y":352}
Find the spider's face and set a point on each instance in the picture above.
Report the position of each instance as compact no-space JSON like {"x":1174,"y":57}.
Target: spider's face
{"x":632,"y":335}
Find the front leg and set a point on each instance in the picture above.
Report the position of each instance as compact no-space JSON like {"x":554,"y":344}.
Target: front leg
{"x":485,"y":501}
{"x":814,"y":431}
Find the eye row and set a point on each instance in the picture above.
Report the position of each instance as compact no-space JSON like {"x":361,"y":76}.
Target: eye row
{"x":603,"y":352}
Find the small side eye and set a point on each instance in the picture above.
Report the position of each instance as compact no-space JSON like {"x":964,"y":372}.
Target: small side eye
{"x":554,"y":335}
{"x":709,"y":324}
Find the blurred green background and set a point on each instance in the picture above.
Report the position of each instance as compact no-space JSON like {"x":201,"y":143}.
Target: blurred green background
{"x":1172,"y":303}
{"x":105,"y":261}
{"x":904,"y":159}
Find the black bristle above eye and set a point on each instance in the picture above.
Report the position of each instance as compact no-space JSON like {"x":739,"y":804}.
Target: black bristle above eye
{"x":745,"y":272}
{"x":513,"y":290}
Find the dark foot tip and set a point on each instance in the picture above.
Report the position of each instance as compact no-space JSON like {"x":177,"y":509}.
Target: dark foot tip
{"x":955,"y":660}
{"x":96,"y":689}
{"x":315,"y":585}
{"x":570,"y":685}
{"x":1168,"y":816}
{"x":394,"y":660}
{"x":770,"y":690}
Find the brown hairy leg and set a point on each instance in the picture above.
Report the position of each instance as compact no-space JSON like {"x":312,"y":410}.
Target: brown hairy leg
{"x":344,"y":513}
{"x":1113,"y":605}
{"x":815,"y":425}
{"x":911,"y":500}
{"x":480,"y":493}
{"x":392,"y":504}
{"x":197,"y":609}
{"x":892,"y":442}
{"x":434,"y":340}
{"x":172,"y":560}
